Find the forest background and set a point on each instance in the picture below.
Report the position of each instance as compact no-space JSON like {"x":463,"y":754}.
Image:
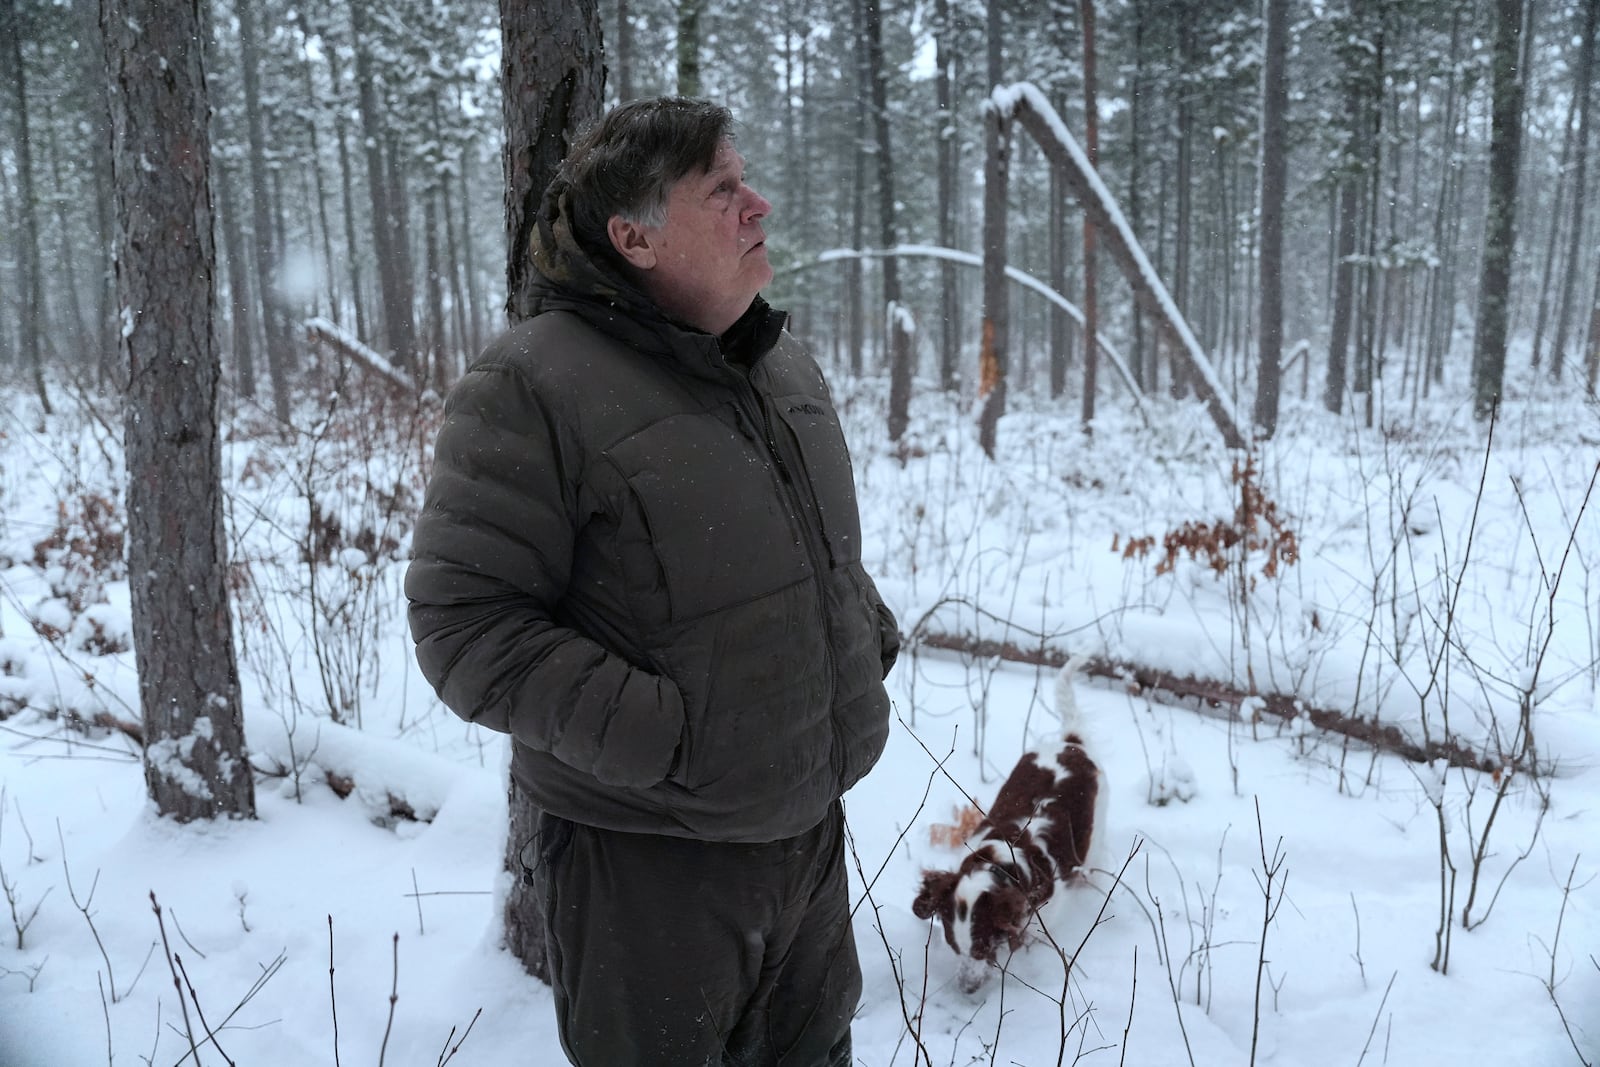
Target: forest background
{"x":1408,"y":183}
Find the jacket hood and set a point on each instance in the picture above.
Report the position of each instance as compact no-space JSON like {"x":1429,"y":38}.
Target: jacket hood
{"x":576,"y":277}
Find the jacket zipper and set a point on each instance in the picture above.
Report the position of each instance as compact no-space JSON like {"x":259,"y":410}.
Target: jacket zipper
{"x":818,"y":564}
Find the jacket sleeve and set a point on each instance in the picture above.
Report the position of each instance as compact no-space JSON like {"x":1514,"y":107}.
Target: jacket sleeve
{"x":492,"y":555}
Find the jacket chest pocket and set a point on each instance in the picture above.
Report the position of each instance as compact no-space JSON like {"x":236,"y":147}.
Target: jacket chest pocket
{"x":819,"y":440}
{"x":704,"y":525}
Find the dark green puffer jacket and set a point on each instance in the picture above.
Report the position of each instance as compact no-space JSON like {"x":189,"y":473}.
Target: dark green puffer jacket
{"x":643,"y":561}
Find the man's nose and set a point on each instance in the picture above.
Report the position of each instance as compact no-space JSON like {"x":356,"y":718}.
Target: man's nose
{"x":756,"y":206}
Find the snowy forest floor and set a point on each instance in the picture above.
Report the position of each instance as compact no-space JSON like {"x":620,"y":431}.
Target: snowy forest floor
{"x":1286,"y":896}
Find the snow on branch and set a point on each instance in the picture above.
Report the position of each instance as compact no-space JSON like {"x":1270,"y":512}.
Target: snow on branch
{"x":1024,"y":103}
{"x":326,"y":332}
{"x":1016,"y":274}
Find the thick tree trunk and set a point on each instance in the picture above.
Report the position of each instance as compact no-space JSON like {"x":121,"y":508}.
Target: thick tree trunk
{"x":552,"y":85}
{"x":195,"y":760}
{"x":1274,"y":181}
{"x":1499,"y":224}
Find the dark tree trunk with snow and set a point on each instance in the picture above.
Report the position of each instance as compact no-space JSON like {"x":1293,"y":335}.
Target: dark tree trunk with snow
{"x":899,"y":334}
{"x":266,"y":255}
{"x":195,"y":761}
{"x":996,"y":317}
{"x":689,"y":12}
{"x":552,"y":85}
{"x":32,"y":294}
{"x":1582,"y":91}
{"x":1494,"y":286}
{"x":1274,"y":178}
{"x":399,"y":324}
{"x":1091,"y":298}
{"x":947,"y":149}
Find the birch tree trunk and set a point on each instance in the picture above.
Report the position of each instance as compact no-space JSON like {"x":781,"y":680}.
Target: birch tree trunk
{"x":196,"y":765}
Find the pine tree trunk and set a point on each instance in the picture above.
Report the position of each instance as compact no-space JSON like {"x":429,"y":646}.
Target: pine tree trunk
{"x":996,"y":311}
{"x":395,"y":284}
{"x":32,"y":303}
{"x":552,"y":85}
{"x":266,"y":257}
{"x":1583,"y":90}
{"x":896,"y":312}
{"x":946,"y":148}
{"x":239,"y":305}
{"x":1499,"y":225}
{"x":1274,"y":183}
{"x":347,"y":201}
{"x":196,"y":765}
{"x":689,"y":12}
{"x":1091,"y":297}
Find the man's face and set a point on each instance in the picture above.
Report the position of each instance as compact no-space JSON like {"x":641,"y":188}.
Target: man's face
{"x":707,"y":262}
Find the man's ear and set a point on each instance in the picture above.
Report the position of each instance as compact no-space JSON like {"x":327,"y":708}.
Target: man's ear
{"x":632,"y":242}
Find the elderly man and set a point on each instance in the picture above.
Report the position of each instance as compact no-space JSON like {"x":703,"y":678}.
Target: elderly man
{"x":640,"y":556}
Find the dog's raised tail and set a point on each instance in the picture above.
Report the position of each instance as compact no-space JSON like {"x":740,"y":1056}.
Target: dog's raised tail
{"x":1067,"y":695}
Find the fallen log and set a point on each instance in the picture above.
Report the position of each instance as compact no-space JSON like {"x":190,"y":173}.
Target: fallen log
{"x":1223,"y":700}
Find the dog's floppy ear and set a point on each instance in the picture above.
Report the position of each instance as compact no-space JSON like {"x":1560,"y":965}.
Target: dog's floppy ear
{"x":936,"y":888}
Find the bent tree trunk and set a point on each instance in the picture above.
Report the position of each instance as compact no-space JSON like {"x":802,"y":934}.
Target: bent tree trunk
{"x":195,"y":761}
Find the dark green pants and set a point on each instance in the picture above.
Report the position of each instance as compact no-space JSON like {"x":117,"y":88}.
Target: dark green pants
{"x":667,"y":952}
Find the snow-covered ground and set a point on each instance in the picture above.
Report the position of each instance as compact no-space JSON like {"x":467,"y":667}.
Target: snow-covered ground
{"x":1425,"y":596}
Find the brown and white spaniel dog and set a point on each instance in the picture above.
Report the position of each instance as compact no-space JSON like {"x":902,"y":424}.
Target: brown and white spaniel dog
{"x":1038,"y":834}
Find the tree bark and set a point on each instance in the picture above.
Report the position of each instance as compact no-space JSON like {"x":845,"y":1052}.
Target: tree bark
{"x":946,"y":148}
{"x":1091,"y":296}
{"x":196,"y":765}
{"x":1499,"y":224}
{"x":399,"y":324}
{"x":689,"y":12}
{"x":895,"y":311}
{"x":1274,"y":182}
{"x":32,"y":304}
{"x":1583,"y":90}
{"x":266,"y":255}
{"x":552,"y":84}
{"x":996,"y":313}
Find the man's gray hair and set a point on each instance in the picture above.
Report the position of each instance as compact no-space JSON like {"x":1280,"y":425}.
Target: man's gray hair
{"x":627,"y":163}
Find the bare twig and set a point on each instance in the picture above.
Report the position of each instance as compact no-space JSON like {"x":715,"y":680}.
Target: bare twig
{"x":83,"y":908}
{"x":416,"y":893}
{"x":333,"y":1000}
{"x":194,"y":1049}
{"x":394,"y":995}
{"x":449,"y":1051}
{"x":1378,"y":1015}
{"x":105,"y":1010}
{"x":1133,"y":997}
{"x":211,"y":1035}
{"x":1269,"y":911}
